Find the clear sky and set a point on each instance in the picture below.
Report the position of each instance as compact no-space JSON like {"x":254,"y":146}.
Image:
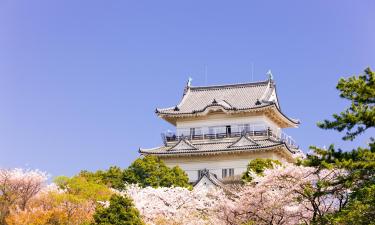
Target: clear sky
{"x":80,"y":80}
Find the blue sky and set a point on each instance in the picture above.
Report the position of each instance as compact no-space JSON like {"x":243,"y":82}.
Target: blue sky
{"x":79,"y":80}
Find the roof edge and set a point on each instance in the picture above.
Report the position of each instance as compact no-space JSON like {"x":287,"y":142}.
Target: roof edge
{"x":265,"y":82}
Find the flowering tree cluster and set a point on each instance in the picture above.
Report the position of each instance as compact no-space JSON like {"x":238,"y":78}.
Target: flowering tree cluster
{"x":177,"y":205}
{"x":17,"y":187}
{"x":69,"y":201}
{"x":287,"y":194}
{"x":284,"y":194}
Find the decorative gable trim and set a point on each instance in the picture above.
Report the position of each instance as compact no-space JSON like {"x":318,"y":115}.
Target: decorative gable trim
{"x":210,"y":178}
{"x":183,"y":145}
{"x":243,"y":141}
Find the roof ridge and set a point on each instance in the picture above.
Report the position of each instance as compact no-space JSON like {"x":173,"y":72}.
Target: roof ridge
{"x":230,"y":85}
{"x":213,"y":143}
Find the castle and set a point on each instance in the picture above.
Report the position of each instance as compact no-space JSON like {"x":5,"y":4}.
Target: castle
{"x":220,"y":128}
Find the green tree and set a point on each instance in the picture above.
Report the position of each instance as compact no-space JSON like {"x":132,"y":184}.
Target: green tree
{"x":79,"y":189}
{"x":360,"y":162}
{"x":152,"y":171}
{"x":145,"y":171}
{"x":121,"y":211}
{"x":360,"y":116}
{"x":361,"y":208}
{"x":113,"y":177}
{"x":258,"y":166}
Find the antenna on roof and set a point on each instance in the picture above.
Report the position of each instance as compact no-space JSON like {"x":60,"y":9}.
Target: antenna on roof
{"x":205,"y":74}
{"x":252,"y":71}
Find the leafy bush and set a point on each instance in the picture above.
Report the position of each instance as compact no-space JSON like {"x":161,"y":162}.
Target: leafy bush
{"x":258,"y":166}
{"x":121,"y":211}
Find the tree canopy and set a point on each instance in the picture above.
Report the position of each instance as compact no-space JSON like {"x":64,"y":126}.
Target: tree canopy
{"x":258,"y":166}
{"x":144,"y":171}
{"x":152,"y":171}
{"x":359,"y":163}
{"x":360,"y":115}
{"x":121,"y":211}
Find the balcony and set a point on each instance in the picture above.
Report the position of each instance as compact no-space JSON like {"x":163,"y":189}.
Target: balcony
{"x":169,"y":137}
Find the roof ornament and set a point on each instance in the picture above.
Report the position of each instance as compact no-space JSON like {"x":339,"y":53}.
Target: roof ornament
{"x":189,"y":82}
{"x":270,"y":76}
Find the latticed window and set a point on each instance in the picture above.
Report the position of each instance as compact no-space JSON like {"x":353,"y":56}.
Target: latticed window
{"x":227,"y":172}
{"x":231,"y":172}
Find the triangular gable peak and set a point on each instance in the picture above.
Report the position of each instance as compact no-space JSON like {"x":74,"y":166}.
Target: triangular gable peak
{"x":208,"y":180}
{"x":183,"y":145}
{"x":222,"y":103}
{"x":243,"y":141}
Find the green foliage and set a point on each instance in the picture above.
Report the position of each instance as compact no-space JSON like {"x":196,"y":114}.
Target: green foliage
{"x":361,"y":114}
{"x":152,"y":171}
{"x":360,"y":210}
{"x":258,"y":166}
{"x":113,"y":177}
{"x":360,"y":162}
{"x":79,"y":189}
{"x":121,"y":211}
{"x":145,"y":171}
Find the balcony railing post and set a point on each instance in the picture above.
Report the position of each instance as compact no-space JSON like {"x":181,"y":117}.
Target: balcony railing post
{"x":250,"y":130}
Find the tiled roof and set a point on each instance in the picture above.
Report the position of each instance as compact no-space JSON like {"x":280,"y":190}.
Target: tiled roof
{"x":241,"y":144}
{"x":211,"y":177}
{"x":244,"y":141}
{"x":230,"y":97}
{"x":183,"y":145}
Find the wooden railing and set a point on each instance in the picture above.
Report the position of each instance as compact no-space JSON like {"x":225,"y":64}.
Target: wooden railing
{"x":172,"y":137}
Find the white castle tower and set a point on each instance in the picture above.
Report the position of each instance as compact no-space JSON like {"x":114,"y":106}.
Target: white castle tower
{"x":219,"y":129}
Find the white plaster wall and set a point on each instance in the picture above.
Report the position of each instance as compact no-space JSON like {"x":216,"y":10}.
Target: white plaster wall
{"x":218,"y":120}
{"x":215,"y":165}
{"x":223,"y":120}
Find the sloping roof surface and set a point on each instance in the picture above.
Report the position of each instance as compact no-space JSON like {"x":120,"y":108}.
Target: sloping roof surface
{"x":230,"y":97}
{"x":211,"y":178}
{"x":223,"y":146}
{"x":183,"y":145}
{"x":243,"y":142}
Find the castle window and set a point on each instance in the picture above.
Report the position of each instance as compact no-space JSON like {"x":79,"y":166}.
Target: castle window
{"x":192,"y":131}
{"x":231,"y":172}
{"x":227,"y":172}
{"x":228,"y":129}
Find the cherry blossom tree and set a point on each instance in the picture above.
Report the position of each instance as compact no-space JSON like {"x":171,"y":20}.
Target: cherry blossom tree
{"x":177,"y":205}
{"x":287,"y":194}
{"x":69,"y":201}
{"x":17,"y":187}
